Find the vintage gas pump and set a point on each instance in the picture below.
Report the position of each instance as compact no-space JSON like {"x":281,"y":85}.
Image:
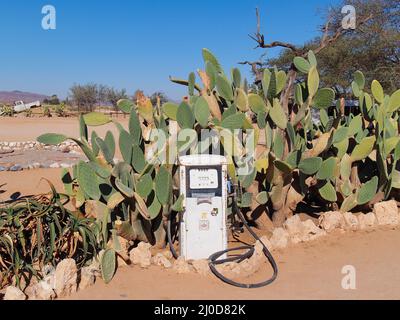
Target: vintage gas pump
{"x":203,"y":222}
{"x":203,"y":225}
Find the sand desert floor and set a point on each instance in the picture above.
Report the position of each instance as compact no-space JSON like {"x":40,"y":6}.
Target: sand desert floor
{"x":306,"y":271}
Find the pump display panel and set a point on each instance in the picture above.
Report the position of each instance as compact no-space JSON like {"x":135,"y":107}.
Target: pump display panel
{"x":203,"y":182}
{"x":203,"y":179}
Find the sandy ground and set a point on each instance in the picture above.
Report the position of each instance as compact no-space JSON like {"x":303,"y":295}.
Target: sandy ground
{"x":27,"y":129}
{"x":28,"y":182}
{"x":306,"y":271}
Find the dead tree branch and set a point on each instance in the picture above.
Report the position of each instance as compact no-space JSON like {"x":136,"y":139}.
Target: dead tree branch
{"x":327,"y":38}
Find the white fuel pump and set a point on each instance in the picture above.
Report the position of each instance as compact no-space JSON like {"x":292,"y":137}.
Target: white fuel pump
{"x":203,"y":225}
{"x":203,"y":222}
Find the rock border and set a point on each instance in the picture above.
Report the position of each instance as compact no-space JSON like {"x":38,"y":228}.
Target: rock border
{"x":6,"y":146}
{"x":10,"y":147}
{"x":66,"y":279}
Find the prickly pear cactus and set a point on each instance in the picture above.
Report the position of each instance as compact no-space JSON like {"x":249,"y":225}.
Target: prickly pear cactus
{"x":278,"y":153}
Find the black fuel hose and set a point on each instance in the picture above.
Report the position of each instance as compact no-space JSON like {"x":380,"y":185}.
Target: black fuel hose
{"x":213,"y":259}
{"x":169,"y":238}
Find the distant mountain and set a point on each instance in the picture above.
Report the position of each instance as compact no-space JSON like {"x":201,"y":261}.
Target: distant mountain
{"x":10,"y":96}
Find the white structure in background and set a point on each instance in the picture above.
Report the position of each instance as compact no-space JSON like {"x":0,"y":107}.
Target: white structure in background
{"x":20,"y":106}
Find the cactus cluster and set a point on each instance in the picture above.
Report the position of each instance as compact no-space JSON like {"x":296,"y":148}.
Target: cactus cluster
{"x":343,"y":161}
{"x":130,"y":198}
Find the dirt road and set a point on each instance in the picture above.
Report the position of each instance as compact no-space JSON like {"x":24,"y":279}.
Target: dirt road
{"x":28,"y":129}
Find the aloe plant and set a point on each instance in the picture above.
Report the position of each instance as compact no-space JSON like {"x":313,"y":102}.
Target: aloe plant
{"x":40,"y":230}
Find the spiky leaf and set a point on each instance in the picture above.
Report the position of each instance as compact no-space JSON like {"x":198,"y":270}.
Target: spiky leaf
{"x":110,"y":142}
{"x":377,"y":91}
{"x":312,"y":58}
{"x":280,"y":81}
{"x":349,"y":203}
{"x":141,"y":206}
{"x":88,"y":180}
{"x":95,"y":119}
{"x":209,"y":56}
{"x":108,"y":265}
{"x":345,"y":167}
{"x":95,"y":147}
{"x":324,"y":98}
{"x":340,"y":134}
{"x":233,"y":122}
{"x":302,"y":64}
{"x":191,"y":81}
{"x":125,"y":105}
{"x":257,"y":103}
{"x":313,"y":81}
{"x":328,"y":192}
{"x":144,"y":185}
{"x":283,"y":166}
{"x":394,"y":102}
{"x":185,"y":116}
{"x":211,"y":72}
{"x":224,"y":88}
{"x":134,"y":127}
{"x":163,"y":185}
{"x":368,"y":191}
{"x":266,"y":81}
{"x":115,"y":199}
{"x":359,"y":79}
{"x":138,"y":159}
{"x":262,"y":198}
{"x":277,"y":115}
{"x":236,"y":77}
{"x":170,"y":110}
{"x":83,"y":129}
{"x":327,"y":169}
{"x":310,"y":166}
{"x":52,"y":138}
{"x":125,"y":145}
{"x":355,"y":125}
{"x":202,"y":112}
{"x":363,"y":150}
{"x":178,"y":205}
{"x":154,"y":209}
{"x":241,"y":100}
{"x":356,"y":89}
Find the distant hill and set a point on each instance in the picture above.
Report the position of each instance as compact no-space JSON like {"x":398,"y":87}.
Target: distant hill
{"x":10,"y":96}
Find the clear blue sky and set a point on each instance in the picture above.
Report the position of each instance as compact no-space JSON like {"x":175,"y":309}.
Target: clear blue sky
{"x":136,"y":44}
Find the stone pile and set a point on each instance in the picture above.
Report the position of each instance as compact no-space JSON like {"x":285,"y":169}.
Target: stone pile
{"x":20,"y":155}
{"x":58,"y":282}
{"x":6,"y":146}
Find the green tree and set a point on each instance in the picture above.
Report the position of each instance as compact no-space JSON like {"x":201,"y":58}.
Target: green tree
{"x":113,"y":96}
{"x":158,"y":95}
{"x":373,"y":47}
{"x":53,"y":100}
{"x":85,"y":96}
